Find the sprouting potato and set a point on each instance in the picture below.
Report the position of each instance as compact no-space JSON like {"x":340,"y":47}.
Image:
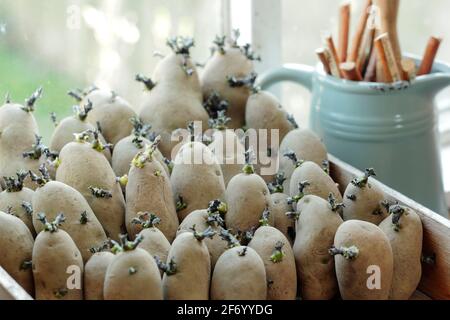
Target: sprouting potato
{"x":318,"y":221}
{"x":281,"y":206}
{"x":53,"y":198}
{"x":208,"y":218}
{"x":226,"y":144}
{"x":187,"y":272}
{"x":306,"y":145}
{"x":239,"y":273}
{"x":132,"y":274}
{"x":310,"y":179}
{"x":264,"y":111}
{"x":95,"y":272}
{"x":363,"y":260}
{"x":231,"y":163}
{"x":364,"y":200}
{"x":16,"y":199}
{"x":274,"y":249}
{"x":21,"y":147}
{"x":149,"y":189}
{"x":154,"y":241}
{"x":17,"y":243}
{"x":127,"y":148}
{"x":165,"y":111}
{"x":77,"y":123}
{"x":110,"y":113}
{"x":247,"y":197}
{"x":404,"y":229}
{"x":83,"y":167}
{"x":228,"y":73}
{"x":54,"y":255}
{"x":195,"y":185}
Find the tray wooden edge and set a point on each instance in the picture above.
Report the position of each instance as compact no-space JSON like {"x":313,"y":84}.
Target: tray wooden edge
{"x":10,"y":289}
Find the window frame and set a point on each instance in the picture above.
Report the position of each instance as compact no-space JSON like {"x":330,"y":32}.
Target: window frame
{"x":265,"y":17}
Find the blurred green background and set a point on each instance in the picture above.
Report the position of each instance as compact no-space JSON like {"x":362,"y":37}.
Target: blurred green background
{"x":67,"y":44}
{"x":21,"y":77}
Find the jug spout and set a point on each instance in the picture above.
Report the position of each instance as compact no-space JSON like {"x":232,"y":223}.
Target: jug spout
{"x":438,"y":80}
{"x":434,"y":83}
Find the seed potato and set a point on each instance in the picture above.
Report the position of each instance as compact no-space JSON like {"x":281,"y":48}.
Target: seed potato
{"x":405,"y":233}
{"x":149,"y":189}
{"x":239,"y":275}
{"x":81,"y":223}
{"x":17,"y":243}
{"x":94,"y":275}
{"x":317,"y":225}
{"x":85,"y":169}
{"x":195,"y":185}
{"x":190,"y":278}
{"x":132,"y":274}
{"x":306,"y":145}
{"x":278,"y":258}
{"x":363,"y":200}
{"x":55,"y":255}
{"x":362,"y":255}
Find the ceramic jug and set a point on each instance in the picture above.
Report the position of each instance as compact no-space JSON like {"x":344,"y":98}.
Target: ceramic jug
{"x":389,"y":127}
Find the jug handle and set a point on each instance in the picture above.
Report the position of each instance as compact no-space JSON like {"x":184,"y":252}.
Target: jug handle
{"x":297,"y":73}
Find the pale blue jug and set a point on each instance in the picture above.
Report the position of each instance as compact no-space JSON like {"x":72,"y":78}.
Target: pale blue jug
{"x":392,"y":128}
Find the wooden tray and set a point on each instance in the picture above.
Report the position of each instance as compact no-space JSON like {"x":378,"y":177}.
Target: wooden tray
{"x":435,"y":283}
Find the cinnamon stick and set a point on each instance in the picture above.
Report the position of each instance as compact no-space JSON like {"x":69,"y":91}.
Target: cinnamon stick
{"x":382,"y":59}
{"x":344,"y":30}
{"x":371,"y":70}
{"x":366,"y":48}
{"x":334,"y":69}
{"x":350,"y":71}
{"x":430,"y":54}
{"x":388,"y":11}
{"x":409,"y":69}
{"x":330,"y":45}
{"x":387,"y":57}
{"x":324,"y":57}
{"x":357,"y":39}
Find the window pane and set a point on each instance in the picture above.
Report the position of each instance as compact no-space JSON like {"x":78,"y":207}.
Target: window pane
{"x":64,"y":43}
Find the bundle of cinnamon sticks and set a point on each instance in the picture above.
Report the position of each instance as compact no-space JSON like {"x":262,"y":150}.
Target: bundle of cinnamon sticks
{"x":374,"y":54}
